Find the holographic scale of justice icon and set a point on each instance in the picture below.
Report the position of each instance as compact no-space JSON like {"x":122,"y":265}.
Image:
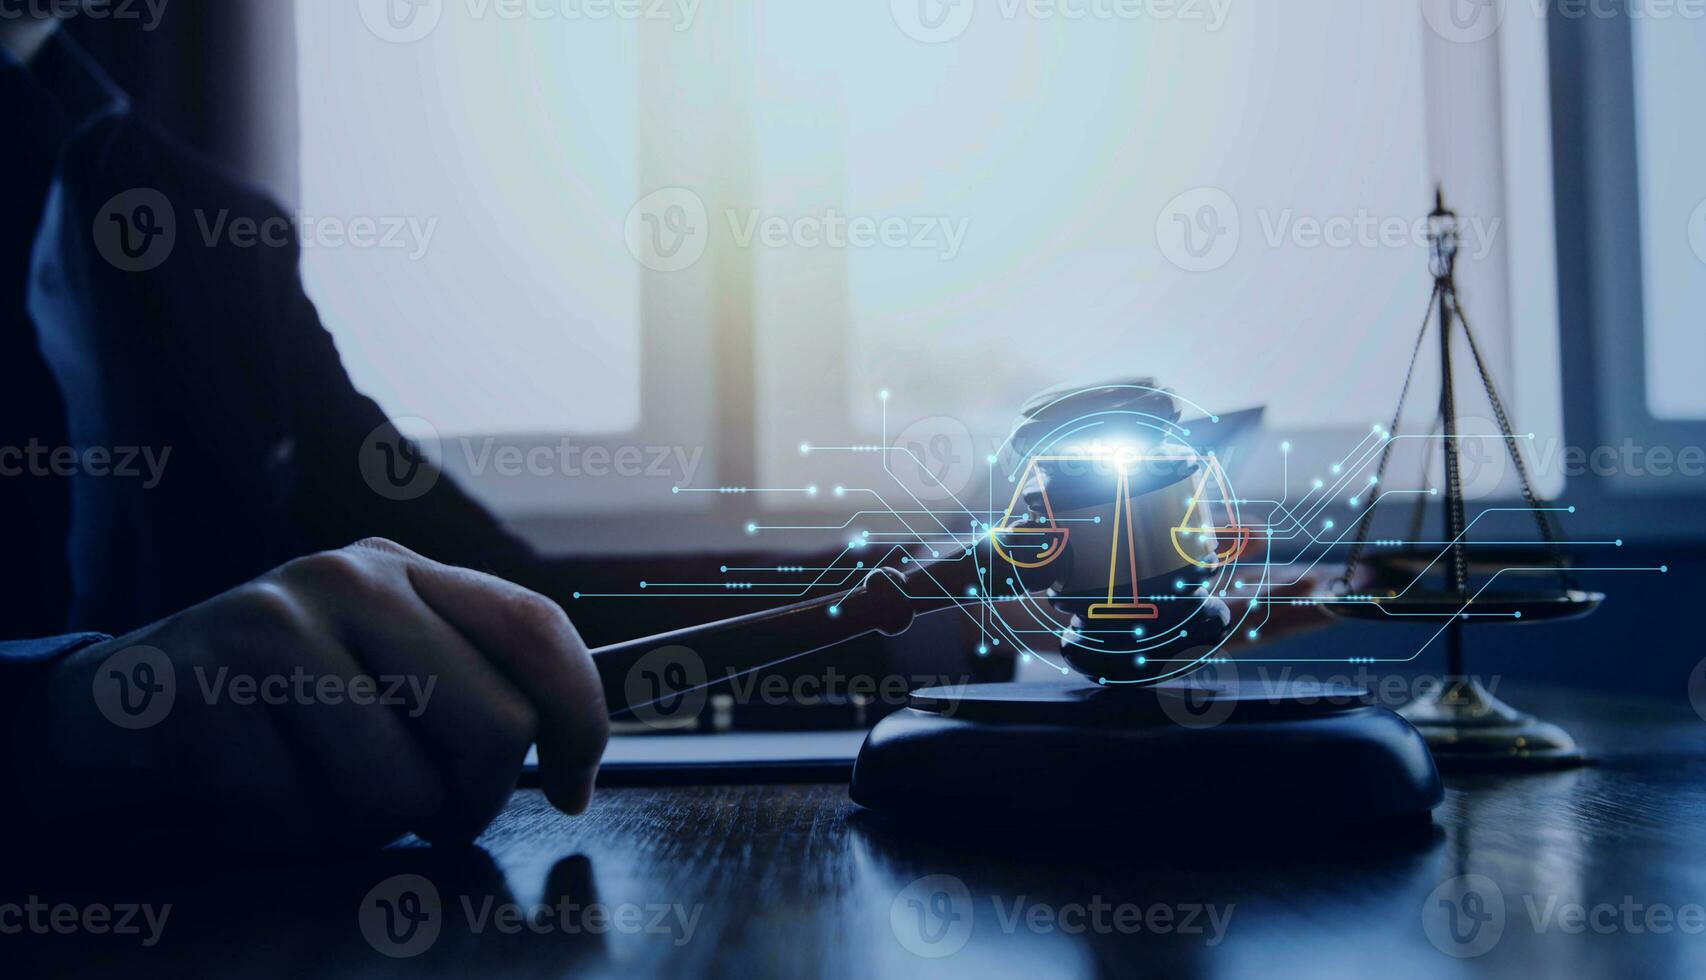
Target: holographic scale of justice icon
{"x":1123,"y":522}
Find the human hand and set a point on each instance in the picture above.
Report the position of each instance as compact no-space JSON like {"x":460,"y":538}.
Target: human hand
{"x":352,"y":695}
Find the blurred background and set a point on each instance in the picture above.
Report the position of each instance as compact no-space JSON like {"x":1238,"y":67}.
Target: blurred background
{"x":704,"y":234}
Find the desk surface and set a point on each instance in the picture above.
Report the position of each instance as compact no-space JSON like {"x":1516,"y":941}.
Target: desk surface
{"x":792,"y":881}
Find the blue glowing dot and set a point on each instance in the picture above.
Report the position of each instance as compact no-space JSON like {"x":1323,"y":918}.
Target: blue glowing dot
{"x":674,"y":489}
{"x":1619,"y":542}
{"x":1098,"y":519}
{"x":811,"y":491}
{"x":1335,"y":467}
{"x":577,"y":595}
{"x":1101,"y":680}
{"x":1319,"y":484}
{"x":1285,"y":447}
{"x":724,"y":569}
{"x":1137,"y":632}
{"x":905,"y":559}
{"x":992,"y":460}
{"x":1572,"y":508}
{"x":1664,"y":569}
{"x":884,"y":395}
{"x":834,"y":611}
{"x":1517,"y":614}
{"x":1184,"y":633}
{"x":1252,"y":634}
{"x":1178,"y":585}
{"x":805,"y":447}
{"x":1355,"y":501}
{"x":994,"y":643}
{"x":752,"y":529}
{"x":983,"y":651}
{"x":859,"y":565}
{"x":1141,"y":660}
{"x":934,"y":553}
{"x":642,"y":585}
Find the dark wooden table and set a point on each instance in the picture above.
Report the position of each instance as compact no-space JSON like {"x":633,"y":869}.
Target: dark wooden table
{"x":758,"y":881}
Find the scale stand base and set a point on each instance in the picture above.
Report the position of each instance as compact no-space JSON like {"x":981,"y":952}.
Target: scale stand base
{"x":1159,"y":763}
{"x":1468,"y":729}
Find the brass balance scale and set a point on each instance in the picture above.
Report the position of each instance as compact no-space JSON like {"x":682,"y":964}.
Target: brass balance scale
{"x":1465,"y":726}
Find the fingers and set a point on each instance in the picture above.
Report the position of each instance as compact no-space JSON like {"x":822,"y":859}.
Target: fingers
{"x":367,"y":761}
{"x":474,"y":725}
{"x":530,"y":639}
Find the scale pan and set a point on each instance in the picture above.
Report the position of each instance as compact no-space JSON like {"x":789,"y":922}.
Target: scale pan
{"x":1500,"y":608}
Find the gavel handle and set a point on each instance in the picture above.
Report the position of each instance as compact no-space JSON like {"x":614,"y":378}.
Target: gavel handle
{"x":886,"y":602}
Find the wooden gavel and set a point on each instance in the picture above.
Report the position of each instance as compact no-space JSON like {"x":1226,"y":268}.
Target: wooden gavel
{"x":887,"y":601}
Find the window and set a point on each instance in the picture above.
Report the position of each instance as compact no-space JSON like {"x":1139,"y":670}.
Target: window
{"x":1072,"y":157}
{"x":1224,"y":198}
{"x":1669,"y":71}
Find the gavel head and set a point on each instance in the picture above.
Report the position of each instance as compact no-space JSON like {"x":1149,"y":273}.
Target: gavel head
{"x":1124,"y":525}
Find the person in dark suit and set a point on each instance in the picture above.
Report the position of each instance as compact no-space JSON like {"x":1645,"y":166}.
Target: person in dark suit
{"x":178,"y":470}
